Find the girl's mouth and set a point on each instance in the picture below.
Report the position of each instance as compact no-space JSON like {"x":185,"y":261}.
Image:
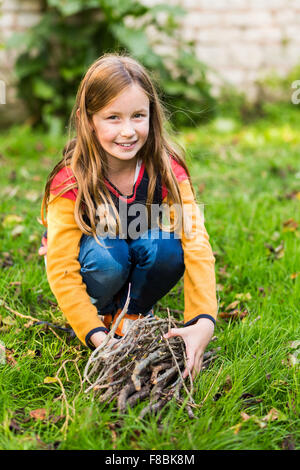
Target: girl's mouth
{"x":128,"y":146}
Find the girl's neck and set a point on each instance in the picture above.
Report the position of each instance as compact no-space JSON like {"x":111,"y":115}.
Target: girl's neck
{"x":118,"y":167}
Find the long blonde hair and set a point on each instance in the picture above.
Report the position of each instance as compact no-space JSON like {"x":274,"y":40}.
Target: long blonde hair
{"x":105,"y":79}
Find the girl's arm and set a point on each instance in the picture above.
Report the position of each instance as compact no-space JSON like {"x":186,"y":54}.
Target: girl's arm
{"x":200,"y":300}
{"x":63,"y":271}
{"x":199,"y":276}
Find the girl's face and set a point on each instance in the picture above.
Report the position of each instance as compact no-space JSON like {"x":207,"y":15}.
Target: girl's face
{"x":122,"y":127}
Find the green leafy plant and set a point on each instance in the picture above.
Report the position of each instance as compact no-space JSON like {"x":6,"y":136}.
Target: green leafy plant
{"x":73,"y":33}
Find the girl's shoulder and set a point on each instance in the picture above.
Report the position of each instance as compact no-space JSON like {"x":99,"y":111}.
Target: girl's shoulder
{"x":62,"y":180}
{"x":178,"y":170}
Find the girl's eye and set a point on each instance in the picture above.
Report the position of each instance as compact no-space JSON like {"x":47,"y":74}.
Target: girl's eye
{"x":139,"y":114}
{"x":112,"y":117}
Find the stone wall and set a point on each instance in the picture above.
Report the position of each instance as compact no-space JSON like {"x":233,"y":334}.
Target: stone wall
{"x":244,"y":40}
{"x":15,"y":16}
{"x":241,"y":40}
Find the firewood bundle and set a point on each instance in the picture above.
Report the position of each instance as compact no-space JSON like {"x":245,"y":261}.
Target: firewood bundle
{"x":142,"y":365}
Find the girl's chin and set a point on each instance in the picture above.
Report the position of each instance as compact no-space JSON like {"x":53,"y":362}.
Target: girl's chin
{"x":122,"y":156}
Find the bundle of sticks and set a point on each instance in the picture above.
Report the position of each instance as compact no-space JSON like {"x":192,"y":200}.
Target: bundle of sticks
{"x":142,"y":365}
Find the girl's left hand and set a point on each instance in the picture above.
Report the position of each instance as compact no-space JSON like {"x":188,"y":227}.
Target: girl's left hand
{"x":196,"y":337}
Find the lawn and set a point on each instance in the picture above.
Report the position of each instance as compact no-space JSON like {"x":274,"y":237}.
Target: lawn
{"x":248,"y":177}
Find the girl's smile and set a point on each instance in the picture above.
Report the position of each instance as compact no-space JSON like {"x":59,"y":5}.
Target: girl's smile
{"x":122,"y":127}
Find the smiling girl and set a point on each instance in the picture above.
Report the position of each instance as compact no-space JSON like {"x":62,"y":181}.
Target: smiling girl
{"x":121,"y":156}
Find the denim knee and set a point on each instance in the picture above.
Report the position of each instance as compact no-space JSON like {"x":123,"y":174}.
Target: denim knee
{"x":165,"y":254}
{"x":105,"y":268}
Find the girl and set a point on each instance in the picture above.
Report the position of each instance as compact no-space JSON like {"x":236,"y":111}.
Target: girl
{"x":122,"y":156}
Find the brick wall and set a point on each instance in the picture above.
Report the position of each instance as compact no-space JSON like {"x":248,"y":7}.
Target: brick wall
{"x":241,"y":40}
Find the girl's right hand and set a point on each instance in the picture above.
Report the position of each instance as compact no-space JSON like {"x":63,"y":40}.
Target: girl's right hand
{"x":98,"y":337}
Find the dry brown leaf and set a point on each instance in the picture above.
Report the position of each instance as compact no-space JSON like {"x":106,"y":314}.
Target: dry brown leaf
{"x":39,"y":413}
{"x":290,"y":225}
{"x":272,"y":415}
{"x":245,"y":416}
{"x":234,"y":314}
{"x":232,"y":305}
{"x":9,"y":356}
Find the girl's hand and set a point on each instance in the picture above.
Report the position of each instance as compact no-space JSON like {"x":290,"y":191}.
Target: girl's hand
{"x":43,"y":248}
{"x":196,"y":337}
{"x":98,"y":337}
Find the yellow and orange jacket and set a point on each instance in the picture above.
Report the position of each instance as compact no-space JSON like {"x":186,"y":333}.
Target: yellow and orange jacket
{"x":63,"y":267}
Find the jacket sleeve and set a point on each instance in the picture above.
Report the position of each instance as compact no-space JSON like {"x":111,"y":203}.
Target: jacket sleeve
{"x":199,"y":276}
{"x":63,"y":270}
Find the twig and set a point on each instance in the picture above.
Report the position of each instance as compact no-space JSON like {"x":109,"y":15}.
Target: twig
{"x":18,"y":314}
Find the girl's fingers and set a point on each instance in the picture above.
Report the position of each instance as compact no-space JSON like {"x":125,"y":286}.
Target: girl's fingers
{"x":42,"y":250}
{"x":189,"y":366}
{"x":173,"y":332}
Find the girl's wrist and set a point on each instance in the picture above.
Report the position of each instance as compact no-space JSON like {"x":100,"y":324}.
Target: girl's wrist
{"x":205,"y":323}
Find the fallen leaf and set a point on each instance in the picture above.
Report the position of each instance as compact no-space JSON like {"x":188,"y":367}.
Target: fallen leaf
{"x":245,"y":416}
{"x":244,"y":297}
{"x":232,"y":305}
{"x":17,"y":230}
{"x":10,"y":191}
{"x":219,"y":287}
{"x":7,"y":261}
{"x":234,"y":314}
{"x":288,"y":443}
{"x":50,"y":380}
{"x":39,"y":413}
{"x":222,"y":271}
{"x":8,"y":321}
{"x":290,"y":225}
{"x":30,"y":353}
{"x":32,"y":195}
{"x":294,"y":275}
{"x":275,"y":253}
{"x":272,"y":415}
{"x":9,"y":356}
{"x":11,"y":220}
{"x":293,"y":358}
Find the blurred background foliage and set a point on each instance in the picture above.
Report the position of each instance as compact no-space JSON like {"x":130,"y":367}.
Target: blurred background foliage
{"x":55,"y":54}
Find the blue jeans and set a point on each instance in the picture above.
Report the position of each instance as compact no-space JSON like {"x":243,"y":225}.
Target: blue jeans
{"x":152,"y":264}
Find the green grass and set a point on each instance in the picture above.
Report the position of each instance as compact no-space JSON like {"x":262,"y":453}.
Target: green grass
{"x":251,"y":175}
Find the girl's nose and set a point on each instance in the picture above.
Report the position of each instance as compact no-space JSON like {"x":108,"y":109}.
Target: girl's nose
{"x":127,"y":131}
